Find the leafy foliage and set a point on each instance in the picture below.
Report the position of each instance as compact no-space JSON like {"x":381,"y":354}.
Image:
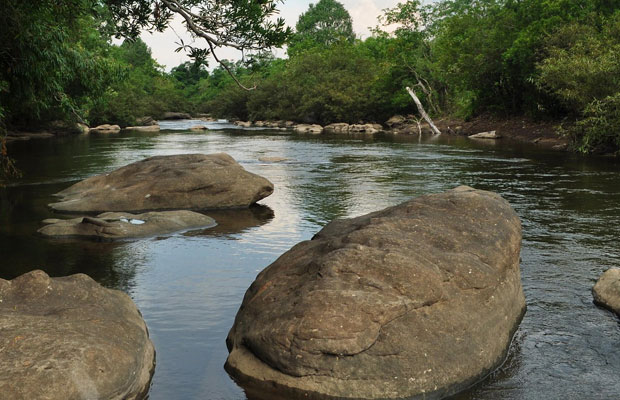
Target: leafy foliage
{"x":323,"y":25}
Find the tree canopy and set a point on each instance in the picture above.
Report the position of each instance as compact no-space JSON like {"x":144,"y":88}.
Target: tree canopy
{"x":324,"y":24}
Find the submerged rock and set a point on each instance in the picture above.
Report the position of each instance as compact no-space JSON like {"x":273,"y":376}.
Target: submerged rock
{"x":71,"y":338}
{"x":421,"y":299}
{"x":198,"y":128}
{"x":272,"y":159}
{"x":185,"y":181}
{"x":606,"y":292}
{"x":122,"y":225}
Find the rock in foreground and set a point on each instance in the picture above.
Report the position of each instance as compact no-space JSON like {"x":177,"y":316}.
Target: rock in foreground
{"x":70,"y":338}
{"x":186,"y":181}
{"x":421,"y":299}
{"x":607,"y":290}
{"x":120,"y":225}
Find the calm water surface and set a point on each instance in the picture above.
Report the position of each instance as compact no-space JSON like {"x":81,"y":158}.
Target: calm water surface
{"x":190,"y":285}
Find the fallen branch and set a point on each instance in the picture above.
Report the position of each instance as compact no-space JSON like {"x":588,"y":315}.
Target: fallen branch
{"x":422,"y":112}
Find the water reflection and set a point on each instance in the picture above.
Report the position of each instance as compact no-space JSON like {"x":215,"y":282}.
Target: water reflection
{"x":189,"y":286}
{"x":235,"y":221}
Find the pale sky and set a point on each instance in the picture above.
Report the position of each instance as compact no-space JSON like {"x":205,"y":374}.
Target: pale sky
{"x":364,"y":14}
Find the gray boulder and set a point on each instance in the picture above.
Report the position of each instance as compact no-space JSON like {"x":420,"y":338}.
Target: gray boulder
{"x":606,"y":292}
{"x":417,"y":300}
{"x":185,"y":181}
{"x":71,"y":339}
{"x":122,"y":225}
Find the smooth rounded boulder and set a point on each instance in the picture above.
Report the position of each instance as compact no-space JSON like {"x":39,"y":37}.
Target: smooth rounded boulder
{"x":419,"y":300}
{"x":120,"y":225}
{"x":606,"y":291}
{"x":70,"y":338}
{"x":178,"y":182}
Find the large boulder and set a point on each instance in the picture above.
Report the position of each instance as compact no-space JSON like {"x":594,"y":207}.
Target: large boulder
{"x":185,"y":181}
{"x":606,"y":292}
{"x":69,"y":338}
{"x":121,"y":225}
{"x":417,"y":300}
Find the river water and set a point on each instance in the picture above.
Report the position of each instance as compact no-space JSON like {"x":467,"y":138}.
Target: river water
{"x":190,"y":285}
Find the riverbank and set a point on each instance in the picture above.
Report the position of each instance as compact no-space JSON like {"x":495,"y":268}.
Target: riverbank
{"x":543,"y":134}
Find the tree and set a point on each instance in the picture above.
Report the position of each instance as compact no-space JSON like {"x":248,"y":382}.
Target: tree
{"x":247,"y":26}
{"x":324,"y":24}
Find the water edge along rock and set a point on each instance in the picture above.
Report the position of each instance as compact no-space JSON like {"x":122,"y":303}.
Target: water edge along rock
{"x":70,"y":338}
{"x":606,"y":291}
{"x":185,"y":181}
{"x":419,"y":300}
{"x":120,"y":225}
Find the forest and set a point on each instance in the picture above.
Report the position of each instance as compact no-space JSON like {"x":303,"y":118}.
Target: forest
{"x":556,"y":60}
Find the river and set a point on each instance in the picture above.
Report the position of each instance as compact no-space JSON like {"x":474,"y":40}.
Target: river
{"x":189,"y":285}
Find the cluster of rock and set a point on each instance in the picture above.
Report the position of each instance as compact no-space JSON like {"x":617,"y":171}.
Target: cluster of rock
{"x":160,"y":183}
{"x":313,"y":128}
{"x":414,"y":301}
{"x":71,"y":338}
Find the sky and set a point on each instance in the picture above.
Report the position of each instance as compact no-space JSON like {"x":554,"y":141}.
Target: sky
{"x":364,"y":14}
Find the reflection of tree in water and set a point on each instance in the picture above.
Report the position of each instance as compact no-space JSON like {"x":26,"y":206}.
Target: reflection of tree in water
{"x":235,"y":220}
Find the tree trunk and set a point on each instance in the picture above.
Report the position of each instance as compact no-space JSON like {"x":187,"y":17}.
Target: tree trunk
{"x":422,"y":112}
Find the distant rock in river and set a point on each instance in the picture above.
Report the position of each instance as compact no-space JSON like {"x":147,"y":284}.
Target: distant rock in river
{"x":122,"y":225}
{"x":71,"y":338}
{"x":186,"y":181}
{"x":417,"y":300}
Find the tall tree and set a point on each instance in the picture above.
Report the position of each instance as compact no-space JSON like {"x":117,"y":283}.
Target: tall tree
{"x":324,"y":24}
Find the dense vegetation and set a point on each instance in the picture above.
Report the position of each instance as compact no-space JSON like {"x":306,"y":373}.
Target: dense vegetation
{"x":556,"y":60}
{"x":552,"y":59}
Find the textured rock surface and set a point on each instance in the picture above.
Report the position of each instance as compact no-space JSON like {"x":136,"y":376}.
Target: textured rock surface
{"x":69,"y":338}
{"x":486,"y":135}
{"x":338,"y":127}
{"x":122,"y":225}
{"x":105,"y":128}
{"x":186,"y":181}
{"x":606,"y":292}
{"x":305,"y":128}
{"x":420,"y":299}
{"x":144,"y":128}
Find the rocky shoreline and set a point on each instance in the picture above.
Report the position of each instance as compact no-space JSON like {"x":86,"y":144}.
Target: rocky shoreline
{"x":542,"y":134}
